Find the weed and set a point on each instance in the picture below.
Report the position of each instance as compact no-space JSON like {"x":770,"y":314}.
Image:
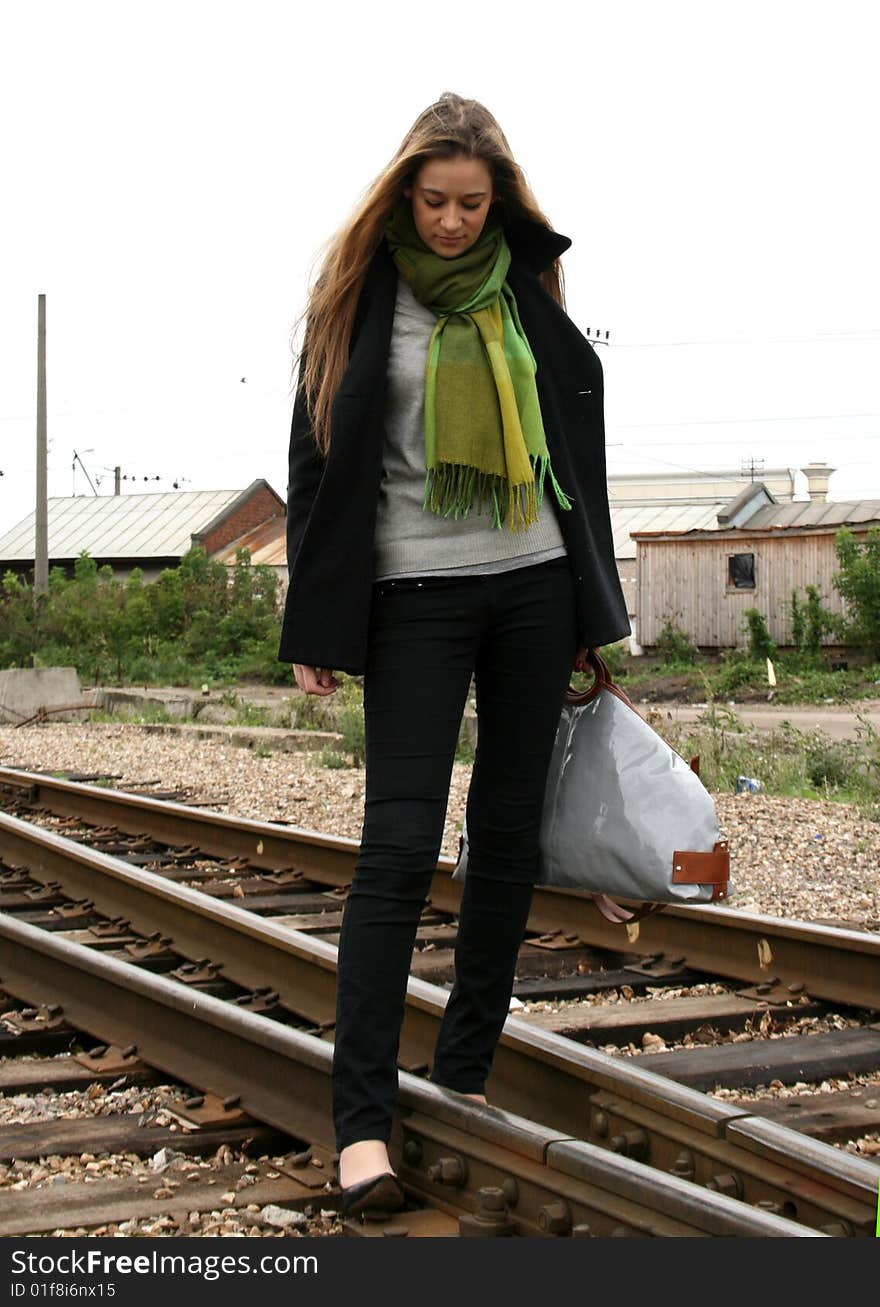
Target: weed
{"x":618,"y":658}
{"x":789,"y":761}
{"x":761,"y":646}
{"x":464,"y":750}
{"x":675,"y":648}
{"x":350,"y":718}
{"x":737,"y":671}
{"x":312,"y":712}
{"x":151,"y":714}
{"x":251,"y":714}
{"x":829,"y":764}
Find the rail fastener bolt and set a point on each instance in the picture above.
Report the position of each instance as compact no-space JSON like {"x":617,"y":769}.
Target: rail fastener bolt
{"x":599,"y":1124}
{"x":839,"y":1230}
{"x":490,"y":1219}
{"x":726,"y":1183}
{"x":449,"y":1170}
{"x":631,"y":1143}
{"x":684,"y":1167}
{"x":555,"y":1217}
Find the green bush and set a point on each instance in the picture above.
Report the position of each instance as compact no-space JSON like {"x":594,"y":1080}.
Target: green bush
{"x":798,"y":623}
{"x":819,"y":622}
{"x":675,"y":648}
{"x":350,"y":719}
{"x":809,"y":623}
{"x":197,"y":622}
{"x":617,"y":657}
{"x":858,"y":583}
{"x":17,"y":619}
{"x":786,"y":760}
{"x":761,"y":645}
{"x":312,"y":712}
{"x":737,"y":669}
{"x":829,"y":764}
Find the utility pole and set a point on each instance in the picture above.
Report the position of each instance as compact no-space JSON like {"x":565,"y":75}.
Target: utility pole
{"x":117,"y":480}
{"x":41,"y":541}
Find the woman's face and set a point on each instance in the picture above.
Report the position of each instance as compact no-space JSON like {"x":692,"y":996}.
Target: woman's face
{"x":450,"y":202}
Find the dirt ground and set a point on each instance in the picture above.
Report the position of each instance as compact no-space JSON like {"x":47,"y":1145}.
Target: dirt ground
{"x":838,"y":723}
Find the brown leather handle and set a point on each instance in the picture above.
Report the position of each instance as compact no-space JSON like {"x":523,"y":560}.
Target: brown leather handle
{"x":603,"y":680}
{"x":618,"y":915}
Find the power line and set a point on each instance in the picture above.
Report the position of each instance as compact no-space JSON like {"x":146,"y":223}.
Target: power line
{"x":771,"y":442}
{"x":730,"y":422}
{"x":665,"y":462}
{"x":845,"y":334}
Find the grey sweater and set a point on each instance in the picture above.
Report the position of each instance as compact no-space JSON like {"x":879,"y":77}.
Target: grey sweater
{"x":411,"y":540}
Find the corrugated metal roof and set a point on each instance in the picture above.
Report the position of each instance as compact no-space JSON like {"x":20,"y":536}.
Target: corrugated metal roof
{"x":814,"y":512}
{"x":120,"y":526}
{"x":162,"y":525}
{"x":810,"y":515}
{"x":658,"y":517}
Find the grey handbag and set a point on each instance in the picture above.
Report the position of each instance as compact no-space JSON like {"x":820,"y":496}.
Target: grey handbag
{"x":624,"y":814}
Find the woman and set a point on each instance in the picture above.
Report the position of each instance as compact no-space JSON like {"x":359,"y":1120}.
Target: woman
{"x":447,"y":519}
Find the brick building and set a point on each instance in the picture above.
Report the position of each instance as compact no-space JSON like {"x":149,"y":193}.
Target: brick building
{"x":149,"y":531}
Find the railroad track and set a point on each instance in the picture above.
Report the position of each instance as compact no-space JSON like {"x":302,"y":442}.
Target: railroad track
{"x":622,"y":1111}
{"x":467,"y":1171}
{"x":95,"y":1141}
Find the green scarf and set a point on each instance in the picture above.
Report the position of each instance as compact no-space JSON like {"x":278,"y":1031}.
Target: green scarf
{"x":484,"y":435}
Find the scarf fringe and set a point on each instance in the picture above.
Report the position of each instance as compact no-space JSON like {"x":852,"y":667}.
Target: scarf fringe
{"x":450,"y":490}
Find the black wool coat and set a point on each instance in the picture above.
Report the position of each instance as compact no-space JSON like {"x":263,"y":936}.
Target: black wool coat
{"x":331,"y":504}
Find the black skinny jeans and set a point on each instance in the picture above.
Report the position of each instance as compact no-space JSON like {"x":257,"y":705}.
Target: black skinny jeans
{"x":515,"y":632}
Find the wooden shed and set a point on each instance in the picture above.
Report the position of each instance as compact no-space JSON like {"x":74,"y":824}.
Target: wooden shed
{"x":703,"y":581}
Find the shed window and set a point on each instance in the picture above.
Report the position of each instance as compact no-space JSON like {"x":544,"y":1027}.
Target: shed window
{"x":741,"y":571}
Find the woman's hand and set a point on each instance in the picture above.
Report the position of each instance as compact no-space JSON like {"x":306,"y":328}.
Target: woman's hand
{"x":315,"y":680}
{"x":580,"y":662}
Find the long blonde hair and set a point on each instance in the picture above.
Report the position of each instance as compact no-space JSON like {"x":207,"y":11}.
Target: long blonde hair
{"x":452,"y":126}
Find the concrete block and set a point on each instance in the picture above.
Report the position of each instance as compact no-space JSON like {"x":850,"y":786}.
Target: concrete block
{"x":29,"y":693}
{"x":215,"y":714}
{"x":250,"y":737}
{"x":177,"y":706}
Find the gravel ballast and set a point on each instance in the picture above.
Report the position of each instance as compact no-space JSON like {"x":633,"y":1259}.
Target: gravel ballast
{"x":804,"y":858}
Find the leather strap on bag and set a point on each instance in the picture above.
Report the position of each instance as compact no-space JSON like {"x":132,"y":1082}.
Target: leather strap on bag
{"x":693,"y":868}
{"x":618,"y":915}
{"x":689,"y":867}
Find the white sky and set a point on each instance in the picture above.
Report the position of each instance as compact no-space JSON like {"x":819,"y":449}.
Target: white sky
{"x":170,"y":171}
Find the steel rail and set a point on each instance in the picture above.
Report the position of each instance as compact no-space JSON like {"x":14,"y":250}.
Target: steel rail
{"x":841,"y":966}
{"x":583,"y":1092}
{"x":451,"y":1150}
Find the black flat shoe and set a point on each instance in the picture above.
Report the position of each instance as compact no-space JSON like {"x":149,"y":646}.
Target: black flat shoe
{"x":382,"y":1193}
